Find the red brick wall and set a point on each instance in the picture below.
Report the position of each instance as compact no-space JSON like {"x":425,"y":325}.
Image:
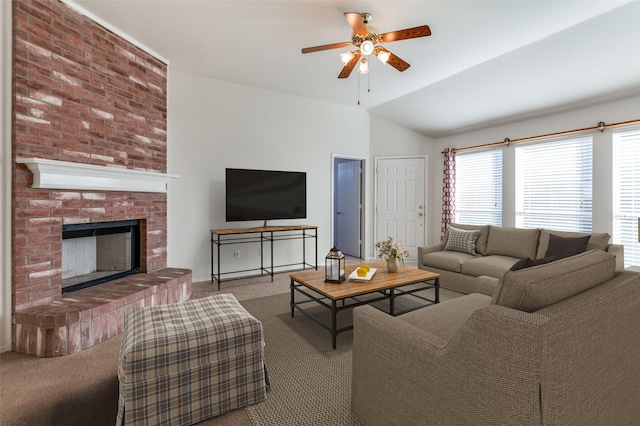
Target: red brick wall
{"x":80,"y":94}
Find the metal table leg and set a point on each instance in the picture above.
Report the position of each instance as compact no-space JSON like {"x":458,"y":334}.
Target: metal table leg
{"x":292,"y":303}
{"x":334,"y":323}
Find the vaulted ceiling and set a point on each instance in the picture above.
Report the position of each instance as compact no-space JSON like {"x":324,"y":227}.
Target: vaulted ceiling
{"x":487,"y":62}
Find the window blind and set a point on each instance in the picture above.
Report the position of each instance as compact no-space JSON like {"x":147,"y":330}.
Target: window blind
{"x":626,"y":193}
{"x":479,"y":188}
{"x":554,"y":185}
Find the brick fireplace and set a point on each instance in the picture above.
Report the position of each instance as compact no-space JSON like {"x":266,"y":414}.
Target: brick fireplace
{"x":84,"y":95}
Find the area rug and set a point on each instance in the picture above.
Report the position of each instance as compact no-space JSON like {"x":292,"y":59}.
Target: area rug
{"x":310,"y":381}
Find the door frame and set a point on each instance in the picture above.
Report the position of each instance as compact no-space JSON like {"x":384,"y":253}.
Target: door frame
{"x":377,"y":158}
{"x":363,"y":163}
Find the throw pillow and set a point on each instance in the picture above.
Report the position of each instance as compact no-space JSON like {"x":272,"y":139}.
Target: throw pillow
{"x":566,"y":247}
{"x":462,"y":241}
{"x":528,"y":262}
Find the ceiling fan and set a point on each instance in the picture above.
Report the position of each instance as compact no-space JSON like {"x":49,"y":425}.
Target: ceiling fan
{"x":367,"y":40}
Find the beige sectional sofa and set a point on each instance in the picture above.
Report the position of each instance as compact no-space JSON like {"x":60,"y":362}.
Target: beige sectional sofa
{"x":557,"y":344}
{"x":497,"y":249}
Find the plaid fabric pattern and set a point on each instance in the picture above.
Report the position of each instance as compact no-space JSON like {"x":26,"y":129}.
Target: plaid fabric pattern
{"x":186,"y":362}
{"x":463,"y":241}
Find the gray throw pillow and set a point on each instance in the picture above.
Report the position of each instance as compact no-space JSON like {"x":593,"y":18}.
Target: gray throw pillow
{"x":528,"y":262}
{"x":562,"y":247}
{"x":462,"y":241}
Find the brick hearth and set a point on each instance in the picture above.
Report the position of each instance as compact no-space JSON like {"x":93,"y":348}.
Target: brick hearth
{"x":82,"y":94}
{"x":87,"y":317}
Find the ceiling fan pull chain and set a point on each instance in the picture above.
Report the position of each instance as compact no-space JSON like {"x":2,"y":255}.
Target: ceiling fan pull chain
{"x":358,"y":88}
{"x":369,"y":82}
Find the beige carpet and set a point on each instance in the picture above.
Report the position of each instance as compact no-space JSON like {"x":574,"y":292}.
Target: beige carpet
{"x":30,"y":386}
{"x":310,"y":382}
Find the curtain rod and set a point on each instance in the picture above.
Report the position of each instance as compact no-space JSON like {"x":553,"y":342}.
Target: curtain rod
{"x":600,"y":126}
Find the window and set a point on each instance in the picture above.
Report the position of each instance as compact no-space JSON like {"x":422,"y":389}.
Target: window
{"x":626,"y":193}
{"x":553,"y":185}
{"x":479,"y":188}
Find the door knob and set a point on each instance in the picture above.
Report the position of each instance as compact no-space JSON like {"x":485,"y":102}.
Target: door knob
{"x":338,"y":212}
{"x":420,"y":214}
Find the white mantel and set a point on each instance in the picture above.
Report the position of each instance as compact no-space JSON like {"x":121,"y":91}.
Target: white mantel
{"x":53,"y":174}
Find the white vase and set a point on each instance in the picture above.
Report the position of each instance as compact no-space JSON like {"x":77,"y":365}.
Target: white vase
{"x":393,"y":264}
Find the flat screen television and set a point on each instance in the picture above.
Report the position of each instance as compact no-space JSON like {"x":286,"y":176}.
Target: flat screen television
{"x":265,"y":195}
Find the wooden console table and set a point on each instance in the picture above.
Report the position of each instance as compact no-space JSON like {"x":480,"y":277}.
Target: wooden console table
{"x":262,"y":235}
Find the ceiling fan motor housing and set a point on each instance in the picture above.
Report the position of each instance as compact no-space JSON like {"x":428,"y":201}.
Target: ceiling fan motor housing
{"x":366,"y":42}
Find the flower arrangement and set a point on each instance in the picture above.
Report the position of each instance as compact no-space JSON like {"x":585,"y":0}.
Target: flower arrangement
{"x":388,"y":249}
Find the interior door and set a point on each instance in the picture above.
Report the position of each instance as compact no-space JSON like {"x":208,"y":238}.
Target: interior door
{"x":348,"y":205}
{"x":400,"y":195}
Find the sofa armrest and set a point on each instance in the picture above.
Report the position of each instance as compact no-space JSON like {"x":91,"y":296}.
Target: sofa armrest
{"x":487,"y":285}
{"x":404,"y":375}
{"x":429,"y":249}
{"x":618,"y":251}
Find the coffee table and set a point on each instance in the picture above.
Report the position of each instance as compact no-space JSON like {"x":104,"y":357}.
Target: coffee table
{"x":388,"y":286}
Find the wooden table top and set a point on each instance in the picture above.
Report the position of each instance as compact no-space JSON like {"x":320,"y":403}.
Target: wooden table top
{"x":381,"y":280}
{"x":235,"y":231}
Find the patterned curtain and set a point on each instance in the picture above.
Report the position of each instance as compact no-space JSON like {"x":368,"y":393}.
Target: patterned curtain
{"x":448,"y":190}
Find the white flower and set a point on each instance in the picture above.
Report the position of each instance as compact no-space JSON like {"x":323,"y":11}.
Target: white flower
{"x":389,"y":249}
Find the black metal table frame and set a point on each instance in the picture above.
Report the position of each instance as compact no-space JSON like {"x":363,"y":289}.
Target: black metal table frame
{"x":269,"y":237}
{"x":389,"y":294}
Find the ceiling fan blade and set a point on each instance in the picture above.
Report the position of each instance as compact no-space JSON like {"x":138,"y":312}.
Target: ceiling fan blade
{"x":346,"y":71}
{"x":357,"y":25}
{"x":422,"y":31}
{"x":395,"y":61}
{"x":326,"y":47}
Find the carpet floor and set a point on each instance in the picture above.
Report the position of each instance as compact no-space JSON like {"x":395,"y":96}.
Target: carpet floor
{"x":310,"y":381}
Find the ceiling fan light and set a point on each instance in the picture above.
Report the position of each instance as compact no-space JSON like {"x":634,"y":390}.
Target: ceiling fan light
{"x":346,"y":57}
{"x":383,"y":56}
{"x":366,"y":47}
{"x":363,"y":67}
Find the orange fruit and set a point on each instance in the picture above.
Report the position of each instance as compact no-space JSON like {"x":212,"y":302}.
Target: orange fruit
{"x":361,"y":272}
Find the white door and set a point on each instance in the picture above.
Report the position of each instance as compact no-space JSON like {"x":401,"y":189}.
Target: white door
{"x":400,"y":198}
{"x":348,"y":205}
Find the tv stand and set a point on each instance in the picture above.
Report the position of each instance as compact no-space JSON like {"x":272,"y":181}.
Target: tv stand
{"x":261,"y":235}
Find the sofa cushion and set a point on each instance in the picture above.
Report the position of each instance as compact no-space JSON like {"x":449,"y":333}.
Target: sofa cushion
{"x":528,"y":262}
{"x":492,"y":266}
{"x":515,"y":242}
{"x":564,"y":247}
{"x":447,"y":260}
{"x":481,"y":241}
{"x":540,"y":286}
{"x":597,"y":240}
{"x":461,"y":240}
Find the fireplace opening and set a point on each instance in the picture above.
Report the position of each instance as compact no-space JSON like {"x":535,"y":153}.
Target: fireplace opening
{"x":95,"y":253}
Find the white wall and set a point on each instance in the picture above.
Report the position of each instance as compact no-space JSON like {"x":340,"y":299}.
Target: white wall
{"x":5,"y":176}
{"x":612,"y":112}
{"x":388,"y":138}
{"x":213,"y":125}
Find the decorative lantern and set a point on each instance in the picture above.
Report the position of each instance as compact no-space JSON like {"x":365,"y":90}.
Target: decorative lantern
{"x":334,"y":265}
